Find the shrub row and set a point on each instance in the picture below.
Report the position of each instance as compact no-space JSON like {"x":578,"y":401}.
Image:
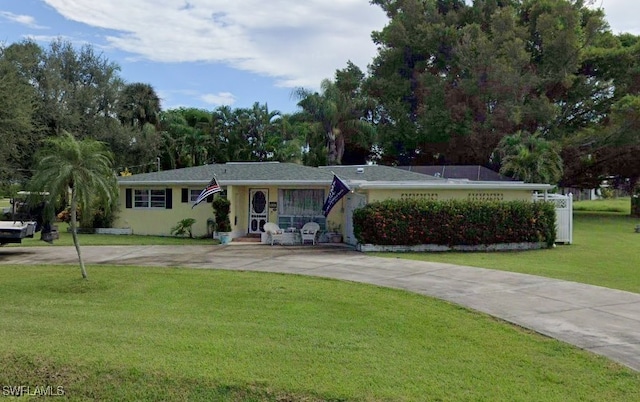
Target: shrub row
{"x":454,"y":222}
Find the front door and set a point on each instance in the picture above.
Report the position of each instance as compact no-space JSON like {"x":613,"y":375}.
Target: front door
{"x":258,"y":209}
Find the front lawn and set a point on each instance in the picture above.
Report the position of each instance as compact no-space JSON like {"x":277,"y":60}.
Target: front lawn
{"x":620,"y":205}
{"x":134,"y":333}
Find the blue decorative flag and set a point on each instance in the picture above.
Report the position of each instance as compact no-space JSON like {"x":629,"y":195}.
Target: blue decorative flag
{"x":211,"y":188}
{"x":338,"y":190}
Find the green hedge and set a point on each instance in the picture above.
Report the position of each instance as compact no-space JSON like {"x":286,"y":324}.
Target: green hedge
{"x":452,"y":223}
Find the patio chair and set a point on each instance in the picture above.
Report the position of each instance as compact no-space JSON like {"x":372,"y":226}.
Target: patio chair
{"x":310,"y":232}
{"x":275,"y":234}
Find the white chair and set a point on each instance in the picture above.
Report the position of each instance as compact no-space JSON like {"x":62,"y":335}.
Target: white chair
{"x":275,"y":234}
{"x":310,"y":232}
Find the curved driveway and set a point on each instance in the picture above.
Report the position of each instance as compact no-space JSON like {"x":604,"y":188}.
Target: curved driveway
{"x":604,"y":321}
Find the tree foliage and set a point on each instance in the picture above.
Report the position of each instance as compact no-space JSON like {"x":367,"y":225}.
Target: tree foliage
{"x":47,"y":90}
{"x":452,"y":79}
{"x":339,"y":114}
{"x":453,"y":82}
{"x":80,"y":171}
{"x":529,"y":158}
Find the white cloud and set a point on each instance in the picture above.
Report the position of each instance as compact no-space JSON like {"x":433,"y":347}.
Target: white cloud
{"x":219,"y":99}
{"x":50,"y":38}
{"x":21,"y":19}
{"x":622,"y":15}
{"x":297,"y":42}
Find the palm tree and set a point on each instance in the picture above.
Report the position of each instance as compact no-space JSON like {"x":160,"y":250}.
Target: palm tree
{"x":81,"y":170}
{"x":138,"y":105}
{"x":529,"y":158}
{"x":261,"y":129}
{"x":337,"y":113}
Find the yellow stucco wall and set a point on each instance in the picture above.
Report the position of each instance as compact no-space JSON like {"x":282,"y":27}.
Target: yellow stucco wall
{"x":335,"y":220}
{"x":159,"y":221}
{"x":440,"y":195}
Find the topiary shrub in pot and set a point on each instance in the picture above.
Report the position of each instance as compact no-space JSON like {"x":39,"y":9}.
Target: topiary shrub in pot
{"x":221,"y":211}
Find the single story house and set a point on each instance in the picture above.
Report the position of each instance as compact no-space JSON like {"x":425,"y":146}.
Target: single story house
{"x":285,"y":193}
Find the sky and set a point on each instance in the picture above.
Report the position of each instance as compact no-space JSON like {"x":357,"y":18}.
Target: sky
{"x":208,"y":53}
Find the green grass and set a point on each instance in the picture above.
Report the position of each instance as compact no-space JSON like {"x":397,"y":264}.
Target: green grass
{"x":605,"y":252}
{"x":620,"y":205}
{"x":133,"y":333}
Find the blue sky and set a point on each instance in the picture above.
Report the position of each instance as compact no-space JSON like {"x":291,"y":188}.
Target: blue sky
{"x":207,"y":53}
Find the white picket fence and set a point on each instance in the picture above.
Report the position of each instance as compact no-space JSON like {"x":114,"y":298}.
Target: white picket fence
{"x":564,"y":215}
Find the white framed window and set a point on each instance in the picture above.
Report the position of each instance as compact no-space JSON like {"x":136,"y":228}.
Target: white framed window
{"x":193,"y":194}
{"x":150,"y":198}
{"x":297,"y":207}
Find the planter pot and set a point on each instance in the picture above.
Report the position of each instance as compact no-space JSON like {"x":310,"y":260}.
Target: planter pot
{"x":335,"y":238}
{"x":113,"y":231}
{"x":225,"y":238}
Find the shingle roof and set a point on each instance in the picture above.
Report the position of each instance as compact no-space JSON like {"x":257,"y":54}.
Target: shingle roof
{"x":235,"y":172}
{"x":291,"y":174}
{"x":376,"y":173}
{"x":469,"y":172}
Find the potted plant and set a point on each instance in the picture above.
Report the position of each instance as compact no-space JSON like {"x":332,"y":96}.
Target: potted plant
{"x":334,"y":235}
{"x":221,"y":211}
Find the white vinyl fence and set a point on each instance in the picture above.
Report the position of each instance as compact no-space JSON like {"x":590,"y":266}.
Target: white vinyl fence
{"x":564,"y":215}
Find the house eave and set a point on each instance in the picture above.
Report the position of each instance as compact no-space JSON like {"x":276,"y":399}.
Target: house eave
{"x":452,"y":185}
{"x":199,"y":183}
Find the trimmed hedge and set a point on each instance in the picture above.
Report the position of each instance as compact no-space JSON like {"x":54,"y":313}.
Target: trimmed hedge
{"x":454,"y":222}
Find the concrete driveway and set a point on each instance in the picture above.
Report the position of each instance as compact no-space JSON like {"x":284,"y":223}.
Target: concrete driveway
{"x":601,"y":320}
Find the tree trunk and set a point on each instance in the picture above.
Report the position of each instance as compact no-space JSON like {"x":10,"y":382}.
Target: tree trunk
{"x":332,"y":154}
{"x":74,"y":232}
{"x":339,"y":149}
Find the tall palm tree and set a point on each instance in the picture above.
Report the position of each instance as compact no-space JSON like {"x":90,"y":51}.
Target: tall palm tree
{"x":530,"y":158}
{"x":138,"y":105}
{"x":261,"y":128}
{"x":337,"y":113}
{"x":81,"y":170}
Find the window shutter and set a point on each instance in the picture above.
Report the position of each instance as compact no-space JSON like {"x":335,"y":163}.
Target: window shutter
{"x":168,"y":198}
{"x":185,"y":195}
{"x":128,"y":195}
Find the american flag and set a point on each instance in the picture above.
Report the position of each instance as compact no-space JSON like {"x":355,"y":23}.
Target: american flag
{"x":211,"y":189}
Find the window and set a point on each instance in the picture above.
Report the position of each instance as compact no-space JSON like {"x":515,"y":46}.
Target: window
{"x":151,"y":198}
{"x":193,"y":194}
{"x":297,"y":207}
{"x":300,"y":202}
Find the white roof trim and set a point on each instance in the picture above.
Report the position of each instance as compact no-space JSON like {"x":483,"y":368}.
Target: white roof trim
{"x":357,"y":184}
{"x":451,"y":185}
{"x":255,"y":183}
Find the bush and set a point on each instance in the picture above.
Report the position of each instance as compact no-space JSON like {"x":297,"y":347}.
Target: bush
{"x":183,"y":227}
{"x":414,"y":222}
{"x":222,"y":209}
{"x":607,"y":193}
